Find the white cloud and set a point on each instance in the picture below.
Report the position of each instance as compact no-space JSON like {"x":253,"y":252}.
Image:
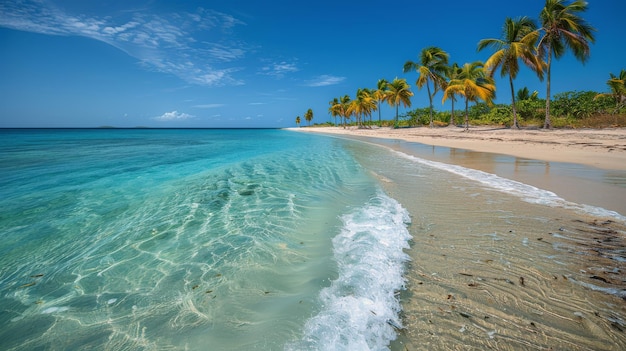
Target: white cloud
{"x":163,"y":43}
{"x":325,"y":80}
{"x":279,"y":69}
{"x":173,"y":116}
{"x":208,"y":106}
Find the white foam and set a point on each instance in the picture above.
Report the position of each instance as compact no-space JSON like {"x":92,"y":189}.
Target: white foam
{"x":526,"y":192}
{"x":360,"y":308}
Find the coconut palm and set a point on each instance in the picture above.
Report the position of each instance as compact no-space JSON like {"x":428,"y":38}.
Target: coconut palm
{"x":473,"y":84}
{"x":380,"y":95}
{"x":298,"y":121}
{"x":431,"y":68}
{"x":362,"y":105}
{"x":342,"y":108}
{"x":398,"y":92}
{"x":518,"y":40}
{"x":617,"y":85}
{"x":308,"y":116}
{"x":452,"y":72}
{"x":332,"y":110}
{"x":563,"y":29}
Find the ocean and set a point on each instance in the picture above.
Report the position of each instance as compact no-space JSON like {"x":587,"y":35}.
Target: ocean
{"x":218,"y":239}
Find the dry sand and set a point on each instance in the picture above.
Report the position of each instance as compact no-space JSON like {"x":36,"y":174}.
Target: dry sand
{"x":601,"y":148}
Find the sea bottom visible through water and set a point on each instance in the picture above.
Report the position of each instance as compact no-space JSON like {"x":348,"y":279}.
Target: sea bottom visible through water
{"x":274,"y":240}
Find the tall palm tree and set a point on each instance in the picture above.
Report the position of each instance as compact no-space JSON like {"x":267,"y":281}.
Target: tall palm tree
{"x":398,"y":92}
{"x":519,"y":37}
{"x":308,"y":116}
{"x":617,"y":85}
{"x":452,"y":72}
{"x":473,"y":84}
{"x":431,"y":68}
{"x":379,"y":94}
{"x":563,"y":29}
{"x":332,"y":110}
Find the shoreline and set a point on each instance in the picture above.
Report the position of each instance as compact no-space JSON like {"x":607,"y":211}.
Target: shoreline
{"x":600,"y":148}
{"x":582,"y":166}
{"x":491,"y":271}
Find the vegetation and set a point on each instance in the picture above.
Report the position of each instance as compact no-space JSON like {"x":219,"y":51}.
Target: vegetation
{"x":398,"y":93}
{"x":431,"y":68}
{"x":561,"y":30}
{"x":473,"y":84}
{"x":308,"y":116}
{"x":519,"y":37}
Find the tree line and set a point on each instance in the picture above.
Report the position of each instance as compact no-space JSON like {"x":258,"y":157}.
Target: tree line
{"x":522,"y":42}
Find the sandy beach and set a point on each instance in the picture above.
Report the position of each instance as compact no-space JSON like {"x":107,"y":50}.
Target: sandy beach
{"x":602,"y":148}
{"x":584,"y":166}
{"x":499,"y":273}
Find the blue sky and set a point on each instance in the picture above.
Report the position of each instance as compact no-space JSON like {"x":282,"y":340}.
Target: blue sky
{"x":237,"y":63}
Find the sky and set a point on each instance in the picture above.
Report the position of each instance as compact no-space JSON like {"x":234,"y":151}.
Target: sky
{"x":250,"y":63}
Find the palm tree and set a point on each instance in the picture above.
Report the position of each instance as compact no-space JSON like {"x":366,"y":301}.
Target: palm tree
{"x":519,"y":37}
{"x":298,"y":121}
{"x":345,"y":102}
{"x":398,"y":92}
{"x":362,"y":105}
{"x":380,"y":94}
{"x":452,"y":73}
{"x":332,"y":110}
{"x":308,"y":116}
{"x":563,"y":29}
{"x":431,"y":67}
{"x":617,"y":85}
{"x":473,"y":84}
{"x":524,"y":94}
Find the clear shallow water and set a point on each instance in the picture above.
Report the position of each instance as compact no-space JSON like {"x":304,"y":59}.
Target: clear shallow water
{"x":273,"y":240}
{"x":193,"y":239}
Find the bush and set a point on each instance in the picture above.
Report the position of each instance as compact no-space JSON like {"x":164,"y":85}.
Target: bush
{"x":579,"y":104}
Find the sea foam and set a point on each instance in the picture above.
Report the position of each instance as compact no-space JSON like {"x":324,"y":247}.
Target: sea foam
{"x":526,"y":192}
{"x":360,"y":308}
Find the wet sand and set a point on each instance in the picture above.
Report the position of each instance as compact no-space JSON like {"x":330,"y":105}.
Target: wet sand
{"x":583,"y":166}
{"x":489,"y":271}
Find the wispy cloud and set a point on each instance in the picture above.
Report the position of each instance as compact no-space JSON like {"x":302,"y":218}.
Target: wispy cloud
{"x":197,"y":47}
{"x":208,"y":106}
{"x":324,"y":80}
{"x":279,"y":69}
{"x":173,"y":116}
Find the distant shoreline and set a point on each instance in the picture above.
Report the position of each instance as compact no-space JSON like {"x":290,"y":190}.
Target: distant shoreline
{"x":600,"y":148}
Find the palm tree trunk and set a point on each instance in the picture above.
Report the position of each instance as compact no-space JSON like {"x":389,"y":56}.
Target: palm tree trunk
{"x":379,"y":122}
{"x":452,"y":114}
{"x":396,"y":120}
{"x":548,"y":124}
{"x":430,"y":98}
{"x":466,"y":114}
{"x":515,"y":124}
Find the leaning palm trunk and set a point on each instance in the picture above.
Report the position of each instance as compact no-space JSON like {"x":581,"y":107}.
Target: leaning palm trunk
{"x":548,"y":124}
{"x":430,"y":98}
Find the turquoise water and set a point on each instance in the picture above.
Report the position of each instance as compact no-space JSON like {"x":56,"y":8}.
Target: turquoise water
{"x":194,"y":239}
